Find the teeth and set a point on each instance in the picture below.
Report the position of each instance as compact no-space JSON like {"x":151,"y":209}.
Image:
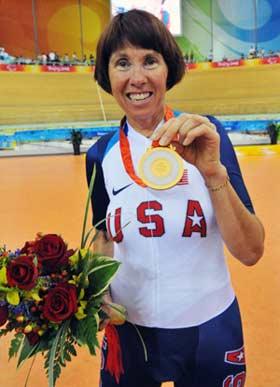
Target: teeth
{"x":138,"y":96}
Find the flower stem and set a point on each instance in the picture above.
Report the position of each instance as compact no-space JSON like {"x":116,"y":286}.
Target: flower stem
{"x":29,"y":371}
{"x":87,"y":205}
{"x":143,"y":343}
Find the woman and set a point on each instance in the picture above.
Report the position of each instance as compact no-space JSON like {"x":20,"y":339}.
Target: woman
{"x":173,"y":279}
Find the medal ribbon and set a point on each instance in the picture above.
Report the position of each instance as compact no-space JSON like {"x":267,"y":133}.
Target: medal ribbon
{"x":126,"y":153}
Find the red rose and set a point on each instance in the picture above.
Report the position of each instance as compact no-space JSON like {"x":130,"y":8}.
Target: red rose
{"x":22,"y":272}
{"x":3,"y":314}
{"x":33,"y":338}
{"x":52,"y":252}
{"x":60,"y":303}
{"x":28,"y":248}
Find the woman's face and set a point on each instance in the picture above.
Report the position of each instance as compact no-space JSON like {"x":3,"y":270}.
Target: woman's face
{"x":138,"y":82}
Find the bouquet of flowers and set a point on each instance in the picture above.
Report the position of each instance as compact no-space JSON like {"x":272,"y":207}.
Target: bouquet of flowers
{"x":51,"y":298}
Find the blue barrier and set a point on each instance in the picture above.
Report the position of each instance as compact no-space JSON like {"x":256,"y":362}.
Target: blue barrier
{"x":6,"y":142}
{"x":248,"y":126}
{"x":45,"y":135}
{"x":64,"y":134}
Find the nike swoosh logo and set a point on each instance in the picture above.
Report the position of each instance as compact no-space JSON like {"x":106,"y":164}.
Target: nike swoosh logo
{"x":116,"y":192}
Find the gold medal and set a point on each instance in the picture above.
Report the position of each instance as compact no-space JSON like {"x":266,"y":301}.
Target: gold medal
{"x":160,"y":167}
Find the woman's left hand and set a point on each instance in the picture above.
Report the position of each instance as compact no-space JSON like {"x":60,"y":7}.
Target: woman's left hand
{"x":195,"y":139}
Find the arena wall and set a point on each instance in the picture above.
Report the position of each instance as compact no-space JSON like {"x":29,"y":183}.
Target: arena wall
{"x":28,"y":98}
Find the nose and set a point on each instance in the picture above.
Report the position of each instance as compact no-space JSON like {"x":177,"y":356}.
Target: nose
{"x":138,"y":76}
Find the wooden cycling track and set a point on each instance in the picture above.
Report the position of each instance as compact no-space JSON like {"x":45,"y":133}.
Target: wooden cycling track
{"x":48,"y":194}
{"x":27,"y":98}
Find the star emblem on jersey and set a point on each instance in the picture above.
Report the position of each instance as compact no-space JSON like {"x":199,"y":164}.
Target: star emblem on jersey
{"x":117,"y":191}
{"x":235,"y":357}
{"x":196,"y":219}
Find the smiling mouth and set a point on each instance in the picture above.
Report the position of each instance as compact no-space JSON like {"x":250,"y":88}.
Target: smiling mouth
{"x":139,"y":96}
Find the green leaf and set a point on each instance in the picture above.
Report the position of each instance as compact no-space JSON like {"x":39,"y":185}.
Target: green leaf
{"x":61,"y":363}
{"x":80,"y":314}
{"x":78,"y":256}
{"x":67,"y":350}
{"x":74,"y":259}
{"x":87,"y":333}
{"x":13,"y":297}
{"x":15,"y":345}
{"x":33,"y":295}
{"x":56,"y":371}
{"x":6,"y":290}
{"x":117,"y":313}
{"x":87,"y":263}
{"x":102,"y":261}
{"x":97,"y":319}
{"x":27,"y":351}
{"x":102,"y":274}
{"x":3,"y":276}
{"x":62,"y":341}
{"x":4,"y":331}
{"x":71,"y":349}
{"x":67,"y":356}
{"x":52,"y":367}
{"x":93,"y":306}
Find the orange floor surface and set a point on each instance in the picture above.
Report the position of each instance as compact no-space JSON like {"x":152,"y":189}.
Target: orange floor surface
{"x":48,"y":194}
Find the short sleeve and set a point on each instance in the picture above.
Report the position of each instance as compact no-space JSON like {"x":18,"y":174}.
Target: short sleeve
{"x":99,"y":197}
{"x":229,"y":160}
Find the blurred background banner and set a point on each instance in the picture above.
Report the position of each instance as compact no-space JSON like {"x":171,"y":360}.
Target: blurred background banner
{"x":31,"y":27}
{"x":211,"y":29}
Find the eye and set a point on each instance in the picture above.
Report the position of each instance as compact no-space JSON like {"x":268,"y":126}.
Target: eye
{"x":122,"y":63}
{"x":151,"y":61}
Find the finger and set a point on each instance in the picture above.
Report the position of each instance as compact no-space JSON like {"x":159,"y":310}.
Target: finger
{"x":200,"y":131}
{"x":106,"y":309}
{"x":170,"y":131}
{"x":188,"y":125}
{"x":196,"y":118}
{"x":181,"y":124}
{"x":103,"y":324}
{"x":192,"y":124}
{"x":200,"y":119}
{"x":162,"y":132}
{"x":189,"y":121}
{"x":173,"y":123}
{"x":171,"y":134}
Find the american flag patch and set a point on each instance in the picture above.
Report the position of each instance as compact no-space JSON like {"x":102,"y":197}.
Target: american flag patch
{"x":184,"y":179}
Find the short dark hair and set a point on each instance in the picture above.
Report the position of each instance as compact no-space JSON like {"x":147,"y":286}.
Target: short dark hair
{"x":140,"y":29}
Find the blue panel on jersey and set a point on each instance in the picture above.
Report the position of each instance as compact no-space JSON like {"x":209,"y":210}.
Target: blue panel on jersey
{"x":100,"y":198}
{"x":229,"y":160}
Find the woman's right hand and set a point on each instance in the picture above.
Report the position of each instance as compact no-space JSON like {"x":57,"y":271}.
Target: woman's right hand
{"x":116,"y":313}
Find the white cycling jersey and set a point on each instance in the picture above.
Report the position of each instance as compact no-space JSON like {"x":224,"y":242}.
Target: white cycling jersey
{"x":173,"y":271}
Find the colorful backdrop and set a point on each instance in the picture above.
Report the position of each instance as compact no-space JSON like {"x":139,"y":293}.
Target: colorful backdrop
{"x":229,"y":28}
{"x":64,"y":26}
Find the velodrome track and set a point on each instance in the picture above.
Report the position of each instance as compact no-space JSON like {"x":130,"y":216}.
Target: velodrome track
{"x":27,"y":98}
{"x":48,"y":194}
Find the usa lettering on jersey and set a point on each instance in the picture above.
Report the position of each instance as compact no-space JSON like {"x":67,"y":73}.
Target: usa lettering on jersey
{"x":149,"y":213}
